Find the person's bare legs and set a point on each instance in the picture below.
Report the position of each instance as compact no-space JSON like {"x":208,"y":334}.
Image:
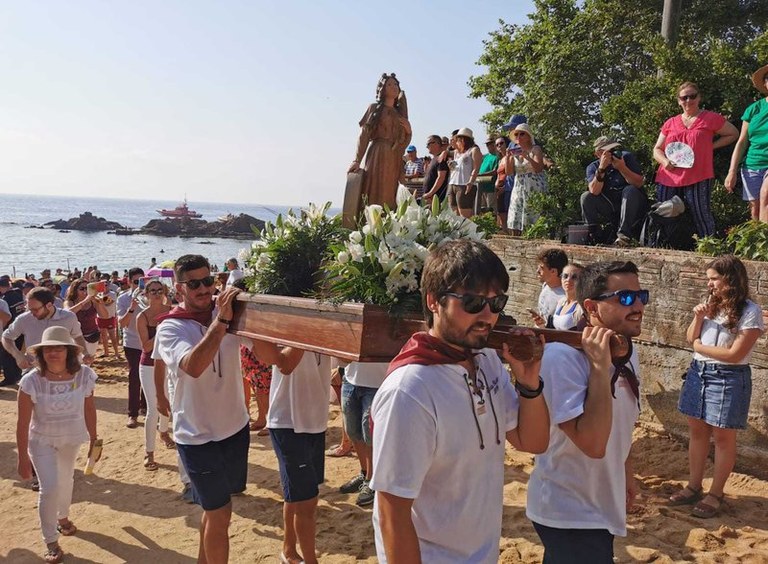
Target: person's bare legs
{"x":725,"y":458}
{"x":214,"y":536}
{"x":299,"y":519}
{"x":262,"y":404}
{"x":113,"y":338}
{"x":764,"y":201}
{"x":104,"y":338}
{"x":698,"y":449}
{"x":754,"y":210}
{"x":365,"y":456}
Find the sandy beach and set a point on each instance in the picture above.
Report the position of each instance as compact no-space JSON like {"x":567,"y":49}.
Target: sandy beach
{"x":126,"y":514}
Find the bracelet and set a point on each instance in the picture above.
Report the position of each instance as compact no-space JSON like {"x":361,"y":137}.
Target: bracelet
{"x":601,"y":170}
{"x":600,"y":178}
{"x":527,"y":393}
{"x":223,"y":321}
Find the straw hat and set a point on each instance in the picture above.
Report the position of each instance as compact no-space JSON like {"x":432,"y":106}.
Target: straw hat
{"x":758,"y":79}
{"x":465,"y":132}
{"x":54,"y":337}
{"x":524,"y":127}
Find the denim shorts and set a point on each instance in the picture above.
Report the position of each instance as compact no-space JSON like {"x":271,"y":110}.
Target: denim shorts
{"x":752,"y":180}
{"x":301,"y":457}
{"x":217,"y":469}
{"x":718,"y":394}
{"x":356,"y":405}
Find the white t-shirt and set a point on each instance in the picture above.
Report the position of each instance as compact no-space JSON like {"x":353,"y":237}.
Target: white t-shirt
{"x":714,"y":332}
{"x":131,"y":338}
{"x":212,"y":406}
{"x":426,"y":447}
{"x":32,"y":328}
{"x":300,"y":400}
{"x":568,"y":489}
{"x":58,"y":416}
{"x":548,"y":298}
{"x":234,"y":276}
{"x":567,"y":319}
{"x":366,"y":374}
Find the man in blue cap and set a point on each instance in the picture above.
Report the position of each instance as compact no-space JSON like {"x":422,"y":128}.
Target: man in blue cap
{"x":514,"y":121}
{"x":414,"y":166}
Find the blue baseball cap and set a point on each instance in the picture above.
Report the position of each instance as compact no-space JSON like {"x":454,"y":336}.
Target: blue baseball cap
{"x":514,"y":121}
{"x":411,"y":149}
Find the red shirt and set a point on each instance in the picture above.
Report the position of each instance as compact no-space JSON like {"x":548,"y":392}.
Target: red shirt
{"x":699,"y":137}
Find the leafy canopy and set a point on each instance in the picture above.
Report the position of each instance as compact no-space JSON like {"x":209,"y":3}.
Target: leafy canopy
{"x":579,"y":70}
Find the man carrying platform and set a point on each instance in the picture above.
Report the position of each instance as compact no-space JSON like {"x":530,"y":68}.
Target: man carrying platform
{"x":580,"y":488}
{"x":441,"y":417}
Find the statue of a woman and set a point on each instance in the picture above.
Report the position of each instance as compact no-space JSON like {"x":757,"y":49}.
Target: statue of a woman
{"x":384,"y":135}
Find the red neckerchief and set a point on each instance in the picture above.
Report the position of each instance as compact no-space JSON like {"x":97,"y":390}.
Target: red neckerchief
{"x":178,"y":312}
{"x":422,"y":348}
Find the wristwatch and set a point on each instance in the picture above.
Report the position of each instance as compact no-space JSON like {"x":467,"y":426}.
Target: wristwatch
{"x":224,"y":321}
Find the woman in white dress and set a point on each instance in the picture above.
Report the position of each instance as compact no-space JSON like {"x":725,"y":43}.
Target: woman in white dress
{"x":527,"y":165}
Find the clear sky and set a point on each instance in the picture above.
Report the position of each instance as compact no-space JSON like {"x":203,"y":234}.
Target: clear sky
{"x":233,"y":101}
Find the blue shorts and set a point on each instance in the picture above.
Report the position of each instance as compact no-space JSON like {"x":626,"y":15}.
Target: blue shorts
{"x":217,"y":469}
{"x":719,"y":394}
{"x":575,"y":546}
{"x":753,"y":181}
{"x":301,"y":457}
{"x":356,"y":406}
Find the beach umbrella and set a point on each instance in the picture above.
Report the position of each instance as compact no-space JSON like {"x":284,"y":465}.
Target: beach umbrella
{"x":160,"y":272}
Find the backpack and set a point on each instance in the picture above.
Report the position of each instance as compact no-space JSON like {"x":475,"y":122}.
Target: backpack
{"x":668,"y":232}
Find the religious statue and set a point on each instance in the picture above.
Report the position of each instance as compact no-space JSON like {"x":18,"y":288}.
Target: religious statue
{"x":384,"y":134}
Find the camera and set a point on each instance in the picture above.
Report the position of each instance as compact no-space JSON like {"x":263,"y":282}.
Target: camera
{"x":616,"y":153}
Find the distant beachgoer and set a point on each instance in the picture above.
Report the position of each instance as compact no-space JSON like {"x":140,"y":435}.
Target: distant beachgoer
{"x":56,"y":415}
{"x":127,"y":311}
{"x":108,"y":325}
{"x":257,"y":378}
{"x":693,"y":132}
{"x":87,"y":307}
{"x":13,"y":301}
{"x":146,"y":325}
{"x":718,"y":386}
{"x":235,"y":273}
{"x":384,"y":134}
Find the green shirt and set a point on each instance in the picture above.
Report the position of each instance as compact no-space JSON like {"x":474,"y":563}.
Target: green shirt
{"x":490,"y":164}
{"x":757,"y":153}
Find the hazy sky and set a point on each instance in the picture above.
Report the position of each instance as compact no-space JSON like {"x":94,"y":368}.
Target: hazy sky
{"x":232,"y":101}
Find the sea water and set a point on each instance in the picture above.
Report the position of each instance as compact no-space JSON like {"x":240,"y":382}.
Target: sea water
{"x":30,"y":250}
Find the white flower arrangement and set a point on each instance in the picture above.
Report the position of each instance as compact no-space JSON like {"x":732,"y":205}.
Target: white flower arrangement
{"x":381,"y":262}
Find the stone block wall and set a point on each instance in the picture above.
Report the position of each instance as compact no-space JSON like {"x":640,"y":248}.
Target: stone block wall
{"x":677,"y":282}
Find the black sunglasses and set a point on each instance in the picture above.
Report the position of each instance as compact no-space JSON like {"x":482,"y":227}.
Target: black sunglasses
{"x":688,"y":97}
{"x":475,"y":304}
{"x":627,"y":297}
{"x":208,"y":281}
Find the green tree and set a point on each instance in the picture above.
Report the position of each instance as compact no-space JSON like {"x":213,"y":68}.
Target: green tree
{"x":583,"y":69}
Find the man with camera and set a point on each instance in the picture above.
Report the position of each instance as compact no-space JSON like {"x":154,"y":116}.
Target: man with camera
{"x":615,"y":193}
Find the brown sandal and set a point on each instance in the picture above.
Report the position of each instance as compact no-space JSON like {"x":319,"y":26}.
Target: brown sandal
{"x":686,"y":496}
{"x":54,"y":555}
{"x":150,"y":465}
{"x":705,"y":510}
{"x":67,"y":529}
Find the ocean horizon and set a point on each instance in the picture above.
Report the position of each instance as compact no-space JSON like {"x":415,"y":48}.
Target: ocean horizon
{"x":30,"y":250}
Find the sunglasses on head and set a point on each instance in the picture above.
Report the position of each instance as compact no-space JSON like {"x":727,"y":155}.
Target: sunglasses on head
{"x":472,"y":303}
{"x":627,"y":297}
{"x":208,"y":281}
{"x":688,"y":97}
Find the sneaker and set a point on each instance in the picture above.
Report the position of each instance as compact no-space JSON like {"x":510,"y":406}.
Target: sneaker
{"x":622,"y":241}
{"x":186,"y":494}
{"x":35,"y":484}
{"x":353,"y":485}
{"x":366,"y":495}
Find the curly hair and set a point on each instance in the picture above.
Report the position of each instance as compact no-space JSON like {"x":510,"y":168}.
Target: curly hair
{"x":732,"y":301}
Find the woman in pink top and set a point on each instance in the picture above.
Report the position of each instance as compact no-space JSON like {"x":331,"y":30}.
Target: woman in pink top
{"x":692,"y":181}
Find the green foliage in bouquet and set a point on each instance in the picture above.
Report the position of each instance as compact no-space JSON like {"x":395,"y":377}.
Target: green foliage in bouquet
{"x":288,"y":257}
{"x":381,"y":262}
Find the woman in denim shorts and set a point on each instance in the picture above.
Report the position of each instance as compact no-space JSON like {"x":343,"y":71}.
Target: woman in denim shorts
{"x":718,"y":385}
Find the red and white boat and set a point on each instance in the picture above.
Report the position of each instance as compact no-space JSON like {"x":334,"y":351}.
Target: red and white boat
{"x":182,"y":210}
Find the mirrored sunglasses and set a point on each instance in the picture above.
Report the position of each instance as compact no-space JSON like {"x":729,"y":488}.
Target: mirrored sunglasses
{"x":627,"y":297}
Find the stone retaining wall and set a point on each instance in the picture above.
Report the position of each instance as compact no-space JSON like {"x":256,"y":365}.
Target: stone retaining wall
{"x":677,"y":283}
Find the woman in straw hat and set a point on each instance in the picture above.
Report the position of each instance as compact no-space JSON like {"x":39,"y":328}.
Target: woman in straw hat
{"x":527,"y":166}
{"x":56,"y":415}
{"x":754,"y":141}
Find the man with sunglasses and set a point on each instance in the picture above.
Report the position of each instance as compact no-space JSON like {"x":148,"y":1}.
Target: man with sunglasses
{"x":128,"y":309}
{"x":615,"y":193}
{"x":443,"y":414}
{"x":580,"y":489}
{"x":210,"y":419}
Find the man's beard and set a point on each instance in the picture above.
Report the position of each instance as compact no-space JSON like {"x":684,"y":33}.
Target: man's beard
{"x":469,"y":339}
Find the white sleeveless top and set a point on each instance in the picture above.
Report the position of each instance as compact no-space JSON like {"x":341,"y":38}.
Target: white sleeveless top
{"x":58,"y":416}
{"x":463,"y":169}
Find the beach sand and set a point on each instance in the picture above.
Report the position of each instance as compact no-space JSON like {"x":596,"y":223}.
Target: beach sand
{"x":127,"y":514}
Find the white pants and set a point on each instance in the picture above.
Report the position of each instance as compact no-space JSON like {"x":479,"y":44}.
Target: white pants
{"x":147,"y":378}
{"x":55,"y":468}
{"x":170,"y":391}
